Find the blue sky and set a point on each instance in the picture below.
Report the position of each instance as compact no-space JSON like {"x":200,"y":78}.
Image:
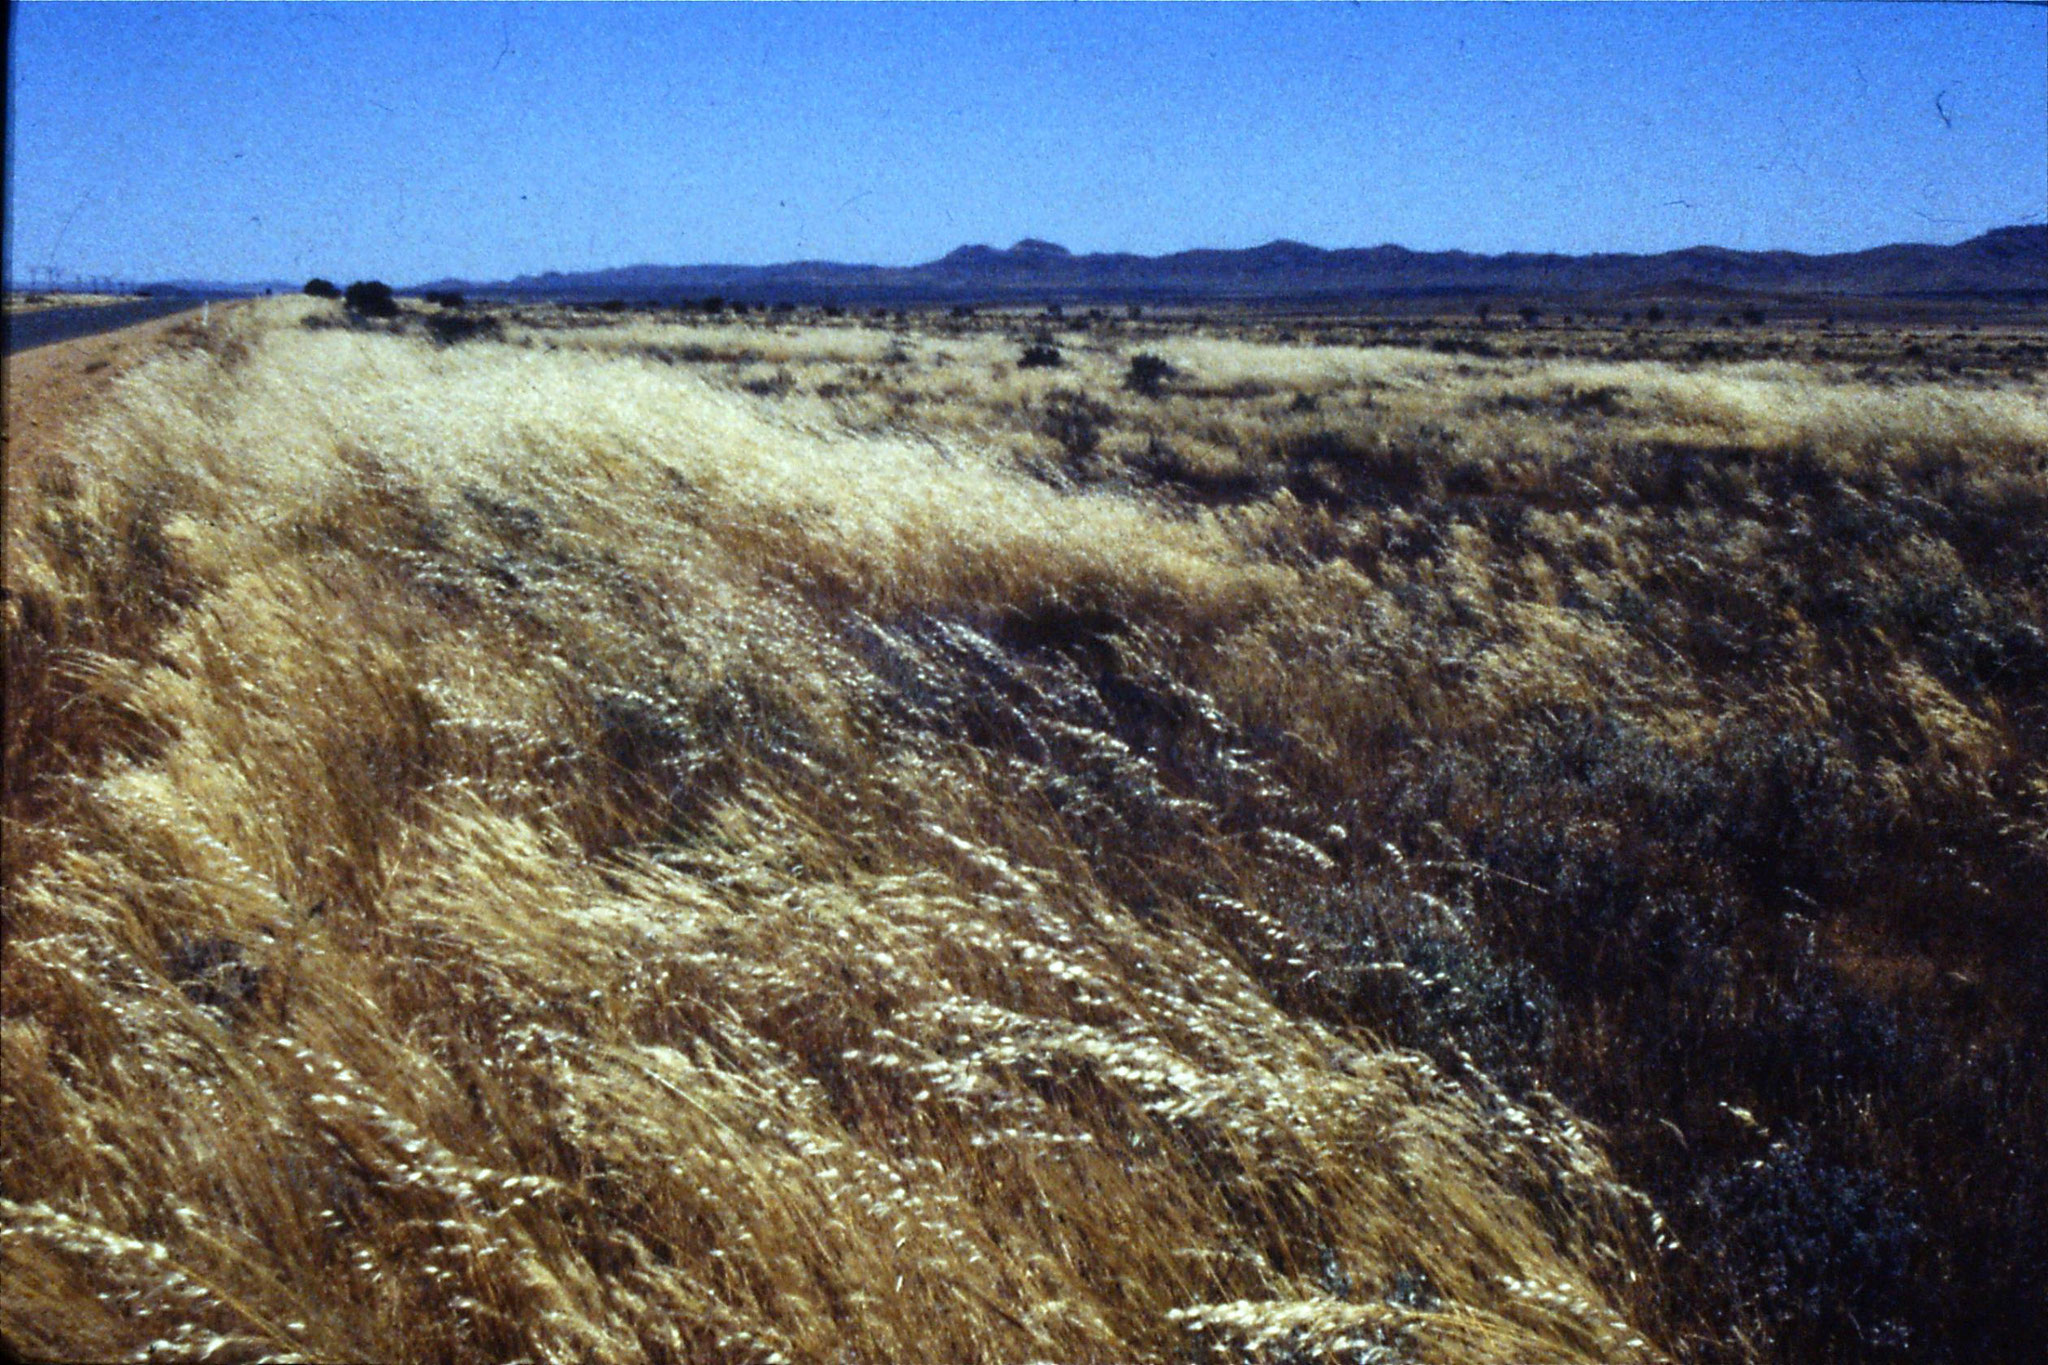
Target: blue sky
{"x":414,"y":141}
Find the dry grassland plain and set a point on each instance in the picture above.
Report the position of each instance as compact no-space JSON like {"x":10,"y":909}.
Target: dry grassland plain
{"x":22,"y":302}
{"x":560,"y":836}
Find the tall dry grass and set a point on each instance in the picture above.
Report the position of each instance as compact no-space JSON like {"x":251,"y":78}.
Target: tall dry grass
{"x":554,"y":854}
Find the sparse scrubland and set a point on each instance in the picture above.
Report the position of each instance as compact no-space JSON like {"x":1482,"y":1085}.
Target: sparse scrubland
{"x":572,"y":836}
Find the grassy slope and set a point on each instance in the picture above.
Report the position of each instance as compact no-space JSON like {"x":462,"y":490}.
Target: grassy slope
{"x":498,"y":870}
{"x":818,"y":838}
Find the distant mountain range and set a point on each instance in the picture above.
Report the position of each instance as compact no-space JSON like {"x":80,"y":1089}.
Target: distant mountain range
{"x":2007,"y":263}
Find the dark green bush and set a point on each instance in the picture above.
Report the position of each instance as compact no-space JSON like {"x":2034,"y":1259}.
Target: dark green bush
{"x":371,"y":299}
{"x":1148,"y":374}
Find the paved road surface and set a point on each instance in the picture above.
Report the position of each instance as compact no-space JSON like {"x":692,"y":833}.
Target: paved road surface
{"x":25,"y":331}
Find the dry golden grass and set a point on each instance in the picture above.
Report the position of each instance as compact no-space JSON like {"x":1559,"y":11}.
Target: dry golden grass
{"x":18,"y":301}
{"x":637,"y":837}
{"x":497,"y":871}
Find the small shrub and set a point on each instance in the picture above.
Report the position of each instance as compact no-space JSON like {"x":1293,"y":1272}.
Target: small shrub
{"x":1494,"y":1009}
{"x":1040,"y":355}
{"x":371,"y":299}
{"x":1075,"y":421}
{"x":1148,"y":374}
{"x":1472,"y":346}
{"x":1823,"y":1252}
{"x":1469,"y":478}
{"x":1341,"y":469}
{"x":447,"y":329}
{"x":1162,"y":463}
{"x":774,"y":385}
{"x":322,"y":289}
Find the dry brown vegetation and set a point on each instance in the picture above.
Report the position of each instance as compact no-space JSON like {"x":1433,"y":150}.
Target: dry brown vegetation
{"x":36,"y":301}
{"x":594,"y":837}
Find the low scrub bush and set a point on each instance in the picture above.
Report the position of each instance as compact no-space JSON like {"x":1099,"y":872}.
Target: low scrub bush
{"x":1824,"y":1254}
{"x":1148,"y":374}
{"x":449,"y":329}
{"x":1075,"y":422}
{"x":371,"y":299}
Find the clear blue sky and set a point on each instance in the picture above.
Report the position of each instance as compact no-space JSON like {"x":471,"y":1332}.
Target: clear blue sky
{"x":413,"y":141}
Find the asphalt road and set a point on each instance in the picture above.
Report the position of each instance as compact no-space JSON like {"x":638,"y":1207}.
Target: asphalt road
{"x":26,"y":331}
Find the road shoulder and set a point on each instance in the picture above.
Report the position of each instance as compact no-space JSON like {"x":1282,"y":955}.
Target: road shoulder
{"x":51,"y":389}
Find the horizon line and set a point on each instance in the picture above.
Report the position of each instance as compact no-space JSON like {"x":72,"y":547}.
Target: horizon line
{"x":85,"y":281}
